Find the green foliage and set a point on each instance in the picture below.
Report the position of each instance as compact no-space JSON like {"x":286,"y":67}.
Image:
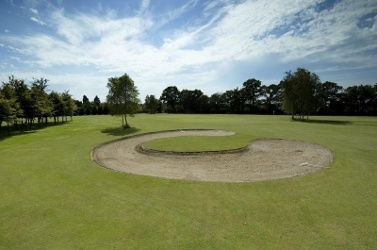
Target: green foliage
{"x":97,"y":101}
{"x":96,"y":107}
{"x":192,"y":101}
{"x":252,"y":90}
{"x":8,"y":111}
{"x":24,"y":104}
{"x":152,"y":104}
{"x":171,"y":97}
{"x":42,"y":105}
{"x":361,"y":99}
{"x":57,"y":104}
{"x":69,"y":105}
{"x":300,"y":92}
{"x":331,"y":98}
{"x":122,"y":97}
{"x":217,"y":103}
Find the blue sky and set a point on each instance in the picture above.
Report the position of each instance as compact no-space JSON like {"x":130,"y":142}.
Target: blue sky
{"x":209,"y":45}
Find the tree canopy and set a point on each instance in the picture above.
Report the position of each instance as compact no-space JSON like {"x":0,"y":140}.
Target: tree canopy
{"x":152,"y":104}
{"x":300,"y":92}
{"x":171,"y":97}
{"x":22,"y":104}
{"x":122,"y":97}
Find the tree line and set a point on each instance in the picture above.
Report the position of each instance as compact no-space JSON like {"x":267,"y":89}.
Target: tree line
{"x":95,"y":107}
{"x":22,"y":105}
{"x":298,"y":93}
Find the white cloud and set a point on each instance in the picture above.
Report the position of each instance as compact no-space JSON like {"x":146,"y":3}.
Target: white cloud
{"x":35,"y":11}
{"x":85,"y":27}
{"x":34,"y":19}
{"x":144,"y":7}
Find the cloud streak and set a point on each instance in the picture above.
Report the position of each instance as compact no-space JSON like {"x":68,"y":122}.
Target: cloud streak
{"x":34,"y":19}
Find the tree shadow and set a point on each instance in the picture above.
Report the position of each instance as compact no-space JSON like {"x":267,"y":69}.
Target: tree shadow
{"x":6,"y":133}
{"x":119,"y":131}
{"x":331,"y":122}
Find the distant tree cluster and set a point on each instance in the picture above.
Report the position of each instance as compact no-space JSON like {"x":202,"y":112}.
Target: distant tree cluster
{"x":299,"y":93}
{"x":95,"y":107}
{"x":152,"y":105}
{"x":22,"y":105}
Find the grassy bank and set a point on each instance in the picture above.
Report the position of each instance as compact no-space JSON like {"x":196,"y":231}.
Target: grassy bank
{"x":54,"y":197}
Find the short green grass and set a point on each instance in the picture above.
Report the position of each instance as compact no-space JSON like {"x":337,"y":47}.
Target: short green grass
{"x":196,"y":143}
{"x":54,"y":197}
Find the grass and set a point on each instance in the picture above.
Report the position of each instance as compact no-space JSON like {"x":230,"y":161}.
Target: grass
{"x":196,"y":143}
{"x":54,"y":197}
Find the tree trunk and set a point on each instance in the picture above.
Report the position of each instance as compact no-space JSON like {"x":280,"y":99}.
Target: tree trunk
{"x":8,"y":128}
{"x":125,"y":119}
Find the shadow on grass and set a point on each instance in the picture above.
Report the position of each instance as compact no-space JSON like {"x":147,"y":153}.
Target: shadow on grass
{"x":331,"y":122}
{"x":6,"y":133}
{"x":119,"y":131}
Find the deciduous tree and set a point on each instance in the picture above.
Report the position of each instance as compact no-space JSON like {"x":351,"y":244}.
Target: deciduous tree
{"x":217,"y":103}
{"x":190,"y":100}
{"x":331,"y":98}
{"x":252,"y":91}
{"x":171,"y":97}
{"x":8,"y":110}
{"x":42,"y":106}
{"x":300,"y":92}
{"x":272,"y":98}
{"x":122,"y":97}
{"x":69,"y":105}
{"x":151,"y":104}
{"x":57,"y":105}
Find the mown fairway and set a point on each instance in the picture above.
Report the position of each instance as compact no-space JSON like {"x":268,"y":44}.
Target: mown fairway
{"x":52,"y":196}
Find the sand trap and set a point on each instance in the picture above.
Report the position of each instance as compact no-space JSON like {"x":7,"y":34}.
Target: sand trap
{"x":260,"y":160}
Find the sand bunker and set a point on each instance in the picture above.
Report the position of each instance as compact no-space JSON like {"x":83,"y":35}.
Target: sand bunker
{"x":260,"y":160}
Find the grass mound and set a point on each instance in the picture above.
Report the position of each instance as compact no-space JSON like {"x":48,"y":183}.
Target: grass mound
{"x":195,"y":144}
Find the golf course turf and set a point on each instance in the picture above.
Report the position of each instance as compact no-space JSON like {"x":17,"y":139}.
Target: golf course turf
{"x":53,"y":196}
